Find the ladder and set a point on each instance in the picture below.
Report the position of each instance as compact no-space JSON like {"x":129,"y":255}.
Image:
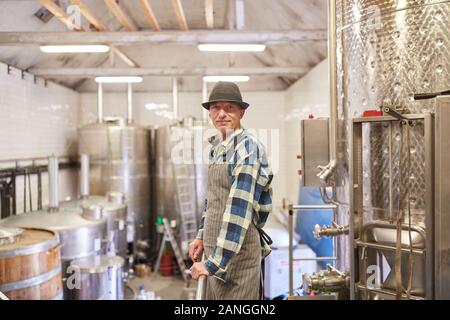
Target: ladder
{"x":169,"y":237}
{"x":185,"y":186}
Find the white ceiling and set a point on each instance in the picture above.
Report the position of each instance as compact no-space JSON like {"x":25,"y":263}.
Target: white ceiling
{"x":18,"y":15}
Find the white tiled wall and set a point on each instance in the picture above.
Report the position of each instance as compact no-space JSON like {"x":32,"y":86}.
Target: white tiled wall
{"x":37,"y":120}
{"x":265,"y":114}
{"x":309,"y":95}
{"x":115,"y":104}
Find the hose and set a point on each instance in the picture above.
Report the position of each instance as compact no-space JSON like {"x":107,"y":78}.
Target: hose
{"x":398,"y":247}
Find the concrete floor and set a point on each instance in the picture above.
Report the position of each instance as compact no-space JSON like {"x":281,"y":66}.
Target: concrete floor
{"x":168,"y":288}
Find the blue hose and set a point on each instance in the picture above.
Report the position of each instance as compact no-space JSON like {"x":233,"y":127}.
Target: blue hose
{"x":306,"y":220}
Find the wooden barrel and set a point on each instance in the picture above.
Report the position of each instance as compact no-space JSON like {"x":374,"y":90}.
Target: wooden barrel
{"x":30,"y":264}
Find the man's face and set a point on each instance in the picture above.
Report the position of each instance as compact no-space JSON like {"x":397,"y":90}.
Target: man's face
{"x":226,"y":115}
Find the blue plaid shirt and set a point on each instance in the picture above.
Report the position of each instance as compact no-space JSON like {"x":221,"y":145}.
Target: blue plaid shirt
{"x":250,"y":198}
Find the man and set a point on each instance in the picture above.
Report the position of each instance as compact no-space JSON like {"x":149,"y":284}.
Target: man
{"x":238,"y":202}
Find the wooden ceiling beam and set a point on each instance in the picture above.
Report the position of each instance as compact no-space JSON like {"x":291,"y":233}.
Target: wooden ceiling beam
{"x":89,"y":15}
{"x":100,"y":26}
{"x":91,"y":72}
{"x":209,"y":14}
{"x":126,"y":58}
{"x":179,"y":12}
{"x":150,"y":15}
{"x":59,"y":13}
{"x":271,"y":37}
{"x":121,"y":16}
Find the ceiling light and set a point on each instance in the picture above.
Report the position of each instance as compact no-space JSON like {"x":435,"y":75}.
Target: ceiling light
{"x":132,"y":79}
{"x":226,"y":78}
{"x":75,"y":48}
{"x":231,"y":47}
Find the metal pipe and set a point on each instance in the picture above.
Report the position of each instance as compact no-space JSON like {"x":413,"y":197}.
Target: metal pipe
{"x":201,"y":288}
{"x":175,"y":97}
{"x":315,"y":259}
{"x":391,"y":196}
{"x":29,"y":191}
{"x":240,"y":14}
{"x":204,"y":99}
{"x":230,"y":15}
{"x":314,"y":207}
{"x":389,"y":248}
{"x":84,"y":176}
{"x":325,"y":197}
{"x":291,"y":250}
{"x":100,"y":103}
{"x":332,"y":77}
{"x":53,"y":184}
{"x":384,"y":224}
{"x":130,"y":104}
{"x":386,"y":292}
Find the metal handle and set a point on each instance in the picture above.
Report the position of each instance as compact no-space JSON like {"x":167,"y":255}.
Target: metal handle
{"x":201,"y":288}
{"x":424,"y":96}
{"x":3,"y":297}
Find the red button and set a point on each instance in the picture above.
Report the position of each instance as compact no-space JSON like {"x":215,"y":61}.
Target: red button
{"x":372,"y":113}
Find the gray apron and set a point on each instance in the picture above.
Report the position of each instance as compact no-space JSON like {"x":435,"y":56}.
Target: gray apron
{"x":243,"y":273}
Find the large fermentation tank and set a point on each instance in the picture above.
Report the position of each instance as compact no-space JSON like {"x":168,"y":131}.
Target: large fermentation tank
{"x":388,"y":50}
{"x":179,"y":151}
{"x":101,"y":278}
{"x":30,"y":264}
{"x":119,"y":161}
{"x":113,"y":208}
{"x":82,"y":231}
{"x":80,"y":236}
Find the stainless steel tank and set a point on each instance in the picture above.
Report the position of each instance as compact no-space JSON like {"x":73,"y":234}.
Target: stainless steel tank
{"x":180,"y":176}
{"x":79,"y":236}
{"x":114,"y":210}
{"x":82,"y":232}
{"x":387,"y":51}
{"x":101,"y":278}
{"x":119,"y":161}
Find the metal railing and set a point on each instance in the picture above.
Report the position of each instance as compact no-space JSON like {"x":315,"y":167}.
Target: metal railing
{"x":293,"y":208}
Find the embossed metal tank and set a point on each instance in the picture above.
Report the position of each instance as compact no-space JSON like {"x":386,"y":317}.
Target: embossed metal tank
{"x":387,"y":51}
{"x":119,"y":155}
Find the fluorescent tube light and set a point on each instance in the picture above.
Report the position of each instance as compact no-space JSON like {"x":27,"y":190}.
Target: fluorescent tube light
{"x":132,"y":79}
{"x":226,"y":78}
{"x":219,"y":47}
{"x":75,"y":48}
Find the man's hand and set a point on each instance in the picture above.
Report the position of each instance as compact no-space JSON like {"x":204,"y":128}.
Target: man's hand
{"x":196,"y":250}
{"x":198,"y":269}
